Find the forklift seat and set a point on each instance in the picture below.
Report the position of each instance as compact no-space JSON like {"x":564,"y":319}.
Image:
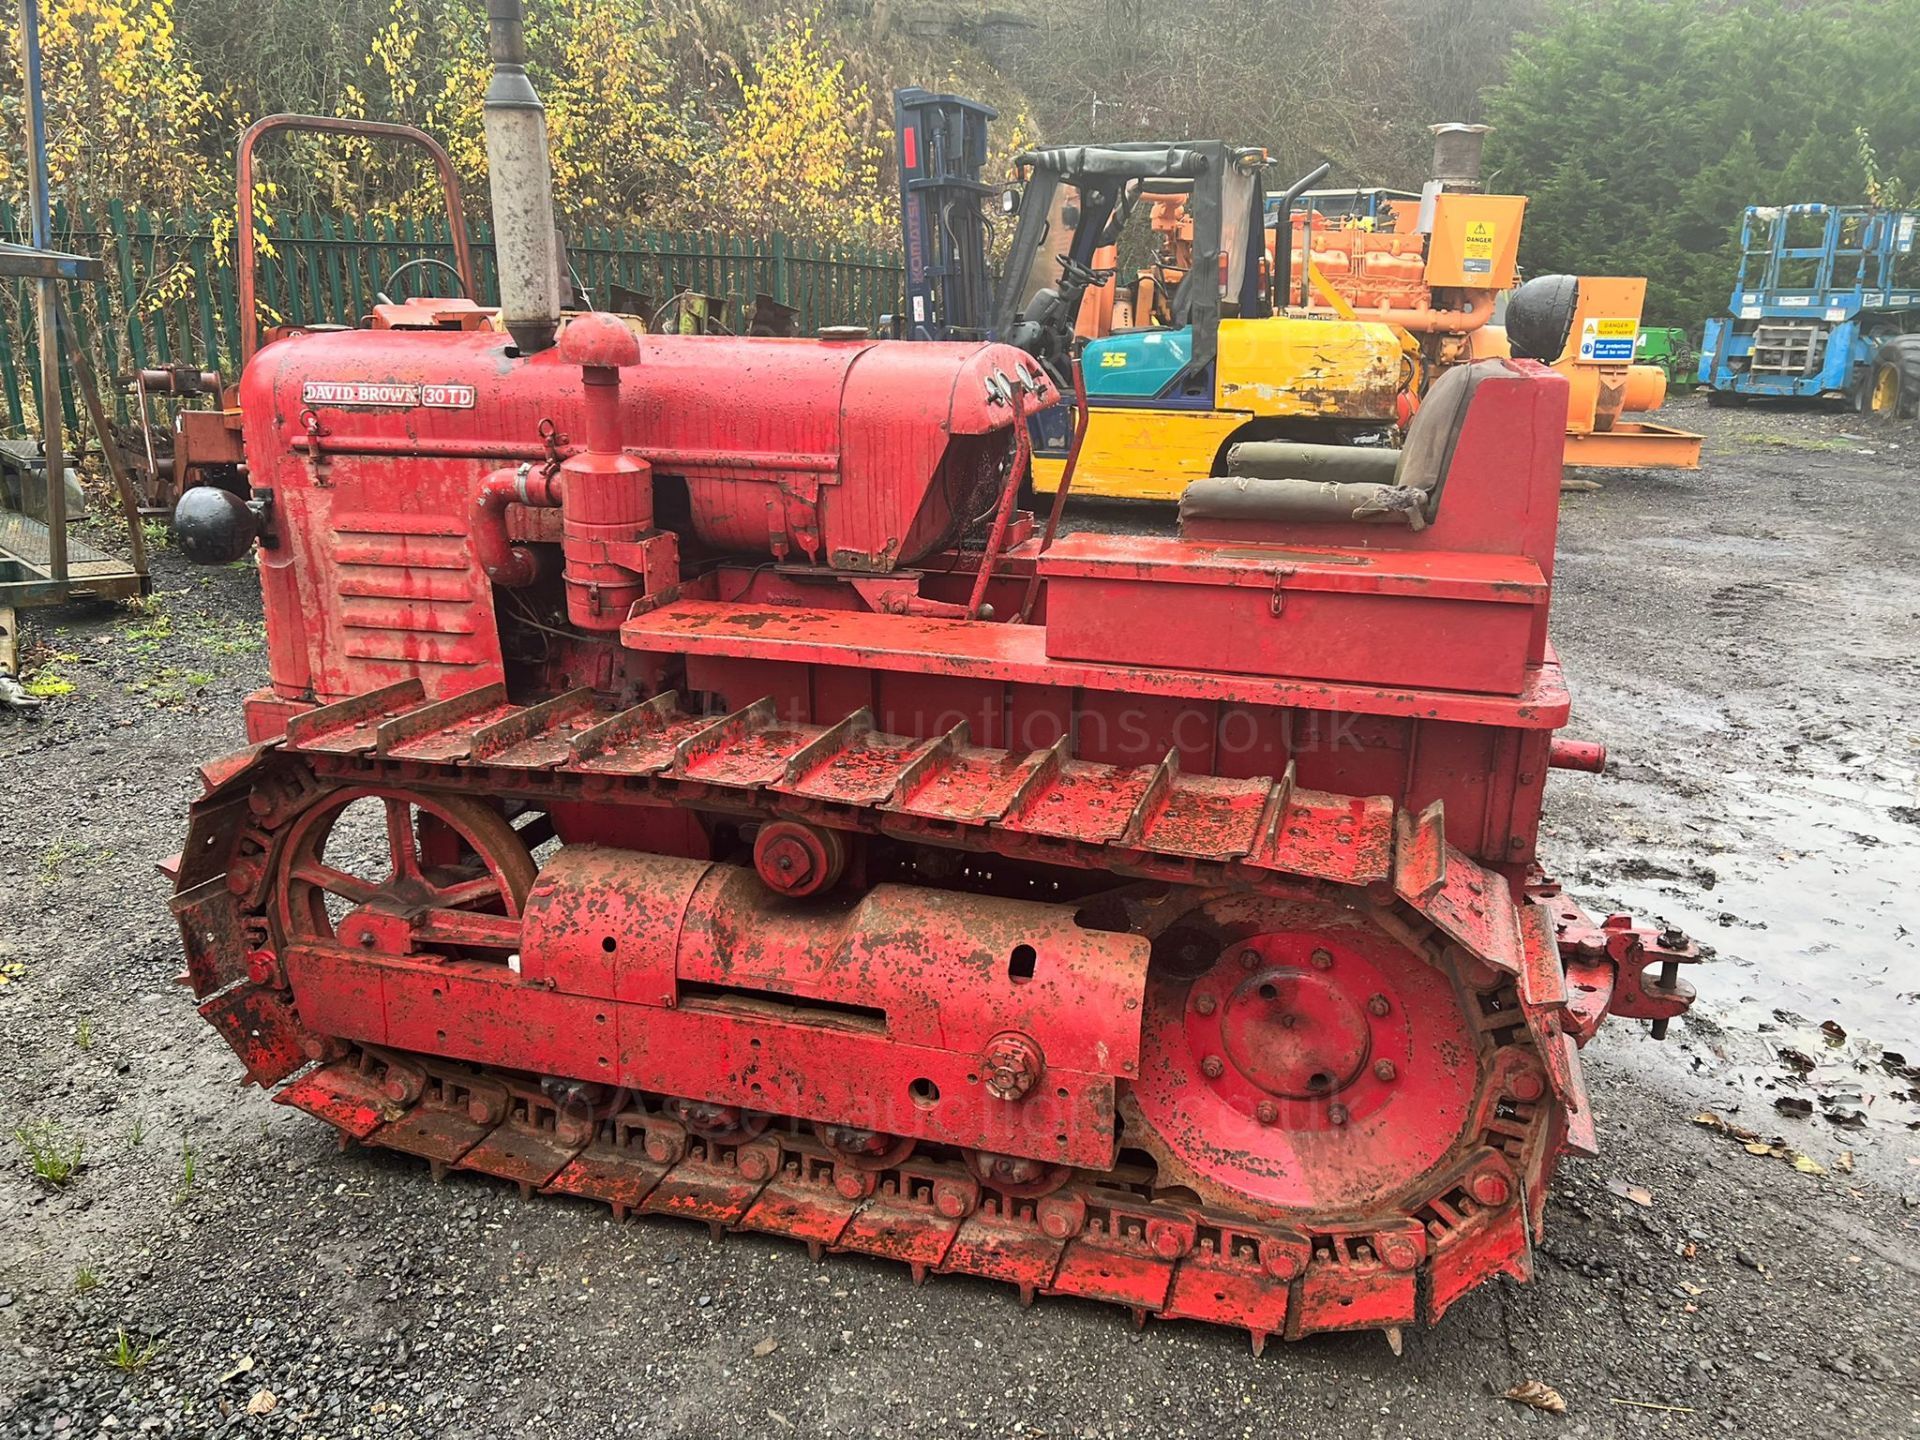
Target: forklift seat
{"x":1284,"y":481}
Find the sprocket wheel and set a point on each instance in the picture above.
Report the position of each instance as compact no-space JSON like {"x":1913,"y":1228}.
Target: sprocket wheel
{"x":439,"y":866}
{"x":1316,"y":1069}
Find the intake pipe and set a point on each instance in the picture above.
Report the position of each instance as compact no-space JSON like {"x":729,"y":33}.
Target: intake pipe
{"x":525,"y":233}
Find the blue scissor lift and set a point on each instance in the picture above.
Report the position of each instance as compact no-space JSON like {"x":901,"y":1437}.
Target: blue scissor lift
{"x":1826,"y":306}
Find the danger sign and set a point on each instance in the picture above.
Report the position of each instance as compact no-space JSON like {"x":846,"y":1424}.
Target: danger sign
{"x":1476,"y":248}
{"x":1607,"y":341}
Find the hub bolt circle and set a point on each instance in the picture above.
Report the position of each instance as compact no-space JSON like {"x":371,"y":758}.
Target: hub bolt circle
{"x":1384,"y":1070}
{"x":1378,"y":1005}
{"x":1011,"y":1066}
{"x":1322,"y":959}
{"x":1266,"y":1112}
{"x":1337,"y":1114}
{"x":1490,"y":1188}
{"x":1213,"y":1067}
{"x":1205,"y":1003}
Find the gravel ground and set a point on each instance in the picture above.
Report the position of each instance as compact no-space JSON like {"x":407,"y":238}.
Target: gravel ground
{"x":1744,"y":638}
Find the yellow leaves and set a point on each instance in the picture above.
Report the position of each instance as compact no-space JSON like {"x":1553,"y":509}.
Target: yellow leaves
{"x":798,"y":153}
{"x":120,"y":99}
{"x":658,"y":115}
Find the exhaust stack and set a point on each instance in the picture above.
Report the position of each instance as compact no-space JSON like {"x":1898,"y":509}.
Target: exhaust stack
{"x":1456,"y":165}
{"x":526,"y":235}
{"x":1456,"y":155}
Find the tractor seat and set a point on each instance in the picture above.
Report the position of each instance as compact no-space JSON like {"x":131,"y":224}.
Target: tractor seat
{"x":1269,"y":480}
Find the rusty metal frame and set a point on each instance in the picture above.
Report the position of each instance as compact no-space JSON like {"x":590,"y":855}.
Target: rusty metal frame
{"x":334,"y":125}
{"x":1635,"y":444}
{"x":52,"y":579}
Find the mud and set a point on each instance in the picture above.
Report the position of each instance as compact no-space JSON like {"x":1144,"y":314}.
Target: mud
{"x":1744,"y":639}
{"x":1753,"y":662}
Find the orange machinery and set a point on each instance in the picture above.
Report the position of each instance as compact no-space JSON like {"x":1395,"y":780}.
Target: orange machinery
{"x":1433,"y":266}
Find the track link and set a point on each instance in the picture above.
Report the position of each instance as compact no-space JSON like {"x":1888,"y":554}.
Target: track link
{"x":1109,"y":1236}
{"x":1100,"y":1238}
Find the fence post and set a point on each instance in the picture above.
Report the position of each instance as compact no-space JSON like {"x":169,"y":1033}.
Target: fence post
{"x":16,"y":413}
{"x":782,"y":269}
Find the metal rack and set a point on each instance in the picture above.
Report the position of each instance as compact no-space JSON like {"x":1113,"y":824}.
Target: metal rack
{"x":40,"y":564}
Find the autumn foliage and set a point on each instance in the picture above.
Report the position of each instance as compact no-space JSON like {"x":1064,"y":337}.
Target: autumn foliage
{"x":656,"y":117}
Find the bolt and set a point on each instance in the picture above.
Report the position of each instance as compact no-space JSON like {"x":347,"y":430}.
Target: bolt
{"x":1266,"y":1112}
{"x":1248,"y":960}
{"x":1337,"y":1114}
{"x":1012,"y":1066}
{"x":1673,"y":938}
{"x":1490,"y":1187}
{"x":1204,"y":1003}
{"x":479,"y":1111}
{"x":1213,"y":1067}
{"x":366,"y":939}
{"x":754,"y":1165}
{"x":1166,"y":1241}
{"x":951,"y":1201}
{"x":1399,"y":1252}
{"x":1527,"y":1086}
{"x":790,"y":858}
{"x":1282,"y":1263}
{"x":852,"y":1184}
{"x":1322,"y":959}
{"x":1384,"y":1070}
{"x":659,"y":1150}
{"x":1378,"y":1005}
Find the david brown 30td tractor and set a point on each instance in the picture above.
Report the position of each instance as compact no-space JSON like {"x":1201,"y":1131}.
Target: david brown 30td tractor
{"x":685,"y":781}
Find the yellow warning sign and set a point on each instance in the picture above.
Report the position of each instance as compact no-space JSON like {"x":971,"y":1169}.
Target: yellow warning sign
{"x":1607,"y":340}
{"x":1476,"y":248}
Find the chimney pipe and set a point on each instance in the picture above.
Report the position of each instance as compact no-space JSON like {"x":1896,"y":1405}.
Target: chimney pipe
{"x":1456,"y":154}
{"x":526,"y":236}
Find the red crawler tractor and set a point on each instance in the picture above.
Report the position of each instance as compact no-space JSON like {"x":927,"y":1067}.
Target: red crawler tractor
{"x":662,"y":796}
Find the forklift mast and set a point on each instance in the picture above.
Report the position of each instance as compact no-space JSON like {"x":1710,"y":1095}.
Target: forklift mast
{"x":943,"y":150}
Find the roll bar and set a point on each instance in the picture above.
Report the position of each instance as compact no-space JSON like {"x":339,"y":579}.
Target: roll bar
{"x":334,"y":125}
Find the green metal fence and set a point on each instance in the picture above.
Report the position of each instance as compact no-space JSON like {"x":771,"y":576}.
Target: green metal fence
{"x":171,"y":295}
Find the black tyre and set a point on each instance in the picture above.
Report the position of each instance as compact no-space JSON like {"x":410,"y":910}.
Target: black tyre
{"x":1892,"y":385}
{"x":1724,"y":399}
